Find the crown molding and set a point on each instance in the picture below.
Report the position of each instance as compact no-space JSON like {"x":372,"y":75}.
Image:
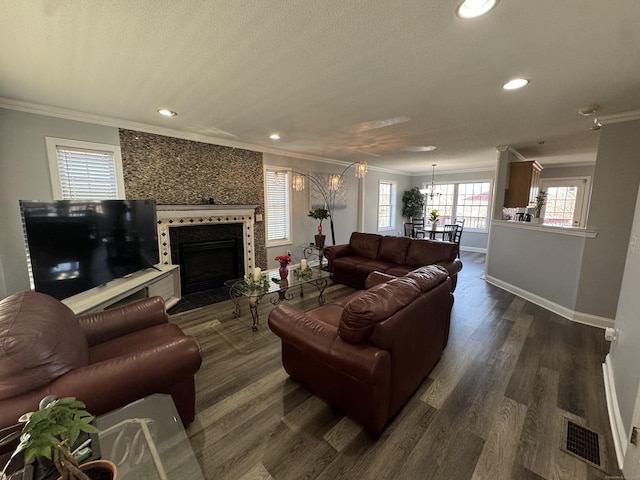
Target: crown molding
{"x":619,"y":117}
{"x":509,"y":148}
{"x":84,"y":117}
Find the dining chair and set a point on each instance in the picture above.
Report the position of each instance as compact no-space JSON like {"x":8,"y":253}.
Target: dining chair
{"x":408,"y":229}
{"x":458,"y":234}
{"x":417,"y":223}
{"x":449,"y":232}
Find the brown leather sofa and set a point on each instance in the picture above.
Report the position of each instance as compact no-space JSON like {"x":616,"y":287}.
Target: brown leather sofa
{"x":106,"y":359}
{"x":368,"y":252}
{"x":368,"y":353}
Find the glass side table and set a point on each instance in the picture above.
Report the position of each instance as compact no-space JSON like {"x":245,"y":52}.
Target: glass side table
{"x":147,"y":441}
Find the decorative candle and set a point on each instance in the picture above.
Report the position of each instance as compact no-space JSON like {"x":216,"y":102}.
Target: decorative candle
{"x":303,"y":264}
{"x":257,"y":273}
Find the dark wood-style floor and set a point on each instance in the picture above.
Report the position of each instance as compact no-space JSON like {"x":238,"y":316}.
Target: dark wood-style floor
{"x":491,"y":409}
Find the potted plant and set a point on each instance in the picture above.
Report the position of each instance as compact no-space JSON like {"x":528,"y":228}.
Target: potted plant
{"x":319,"y":214}
{"x":414,"y":203}
{"x":540,"y":199}
{"x":434,"y":217}
{"x":51,"y":432}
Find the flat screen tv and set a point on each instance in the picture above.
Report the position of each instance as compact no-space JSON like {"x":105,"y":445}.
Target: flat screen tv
{"x":76,"y":245}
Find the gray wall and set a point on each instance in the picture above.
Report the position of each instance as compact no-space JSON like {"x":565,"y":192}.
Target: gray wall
{"x":544,"y":263}
{"x":615,"y":182}
{"x":24,"y":175}
{"x":624,"y":352}
{"x":373,"y":179}
{"x":345,"y":220}
{"x":615,"y":185}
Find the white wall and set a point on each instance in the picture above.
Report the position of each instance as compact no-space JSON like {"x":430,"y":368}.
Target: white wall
{"x":345,"y":220}
{"x":24,"y":175}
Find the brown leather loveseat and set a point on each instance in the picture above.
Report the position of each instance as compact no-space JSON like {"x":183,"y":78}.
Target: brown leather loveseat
{"x":368,"y":252}
{"x":368,"y":353}
{"x":105,"y":359}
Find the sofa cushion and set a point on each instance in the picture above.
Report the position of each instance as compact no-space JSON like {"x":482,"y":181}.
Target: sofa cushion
{"x":365,"y":244}
{"x":428,"y":252}
{"x":394,"y":249}
{"x":378,"y":303}
{"x":44,"y":344}
{"x":429,"y":276}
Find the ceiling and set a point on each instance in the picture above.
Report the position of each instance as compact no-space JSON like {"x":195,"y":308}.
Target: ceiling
{"x":345,"y":80}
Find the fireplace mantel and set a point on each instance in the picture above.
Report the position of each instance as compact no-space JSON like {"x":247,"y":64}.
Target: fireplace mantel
{"x":171,"y":216}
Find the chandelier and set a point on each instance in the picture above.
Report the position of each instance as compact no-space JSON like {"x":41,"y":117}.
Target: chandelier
{"x":431,"y":191}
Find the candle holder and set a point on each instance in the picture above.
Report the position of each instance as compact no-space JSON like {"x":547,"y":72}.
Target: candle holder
{"x":303,"y":273}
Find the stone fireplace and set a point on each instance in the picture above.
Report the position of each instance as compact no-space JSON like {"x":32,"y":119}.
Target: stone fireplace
{"x":211,"y":243}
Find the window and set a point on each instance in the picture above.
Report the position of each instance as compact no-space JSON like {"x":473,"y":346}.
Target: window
{"x":84,"y":170}
{"x":277,"y":206}
{"x":386,"y":205}
{"x":566,"y":202}
{"x":468,"y":201}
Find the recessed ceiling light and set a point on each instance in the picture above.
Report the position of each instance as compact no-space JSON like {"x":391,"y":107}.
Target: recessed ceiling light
{"x":475,"y":8}
{"x":589,"y":110}
{"x":515,"y":83}
{"x":274,"y":136}
{"x":167,"y":113}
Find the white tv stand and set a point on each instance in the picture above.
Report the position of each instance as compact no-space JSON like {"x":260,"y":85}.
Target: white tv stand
{"x":143,"y":284}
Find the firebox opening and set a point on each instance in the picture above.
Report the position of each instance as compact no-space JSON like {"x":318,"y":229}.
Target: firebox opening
{"x":205,"y":265}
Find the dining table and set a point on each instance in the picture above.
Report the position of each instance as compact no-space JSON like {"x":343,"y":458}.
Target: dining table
{"x":433,"y":232}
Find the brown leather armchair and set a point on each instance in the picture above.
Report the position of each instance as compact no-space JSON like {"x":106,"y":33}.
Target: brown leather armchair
{"x":105,"y":359}
{"x":368,"y":353}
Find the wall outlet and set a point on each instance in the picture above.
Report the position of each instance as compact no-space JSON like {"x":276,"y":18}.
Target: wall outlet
{"x":258,"y":217}
{"x":632,"y":243}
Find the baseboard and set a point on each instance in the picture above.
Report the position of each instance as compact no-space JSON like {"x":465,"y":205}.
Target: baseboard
{"x":579,"y":317}
{"x":473,"y":249}
{"x":617,"y":427}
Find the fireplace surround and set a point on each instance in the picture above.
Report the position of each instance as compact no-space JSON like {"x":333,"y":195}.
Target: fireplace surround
{"x":220,"y":235}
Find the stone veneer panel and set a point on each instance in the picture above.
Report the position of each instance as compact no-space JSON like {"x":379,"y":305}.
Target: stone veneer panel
{"x":175,"y":171}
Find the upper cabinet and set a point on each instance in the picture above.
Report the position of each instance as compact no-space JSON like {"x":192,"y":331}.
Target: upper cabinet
{"x":523,"y":185}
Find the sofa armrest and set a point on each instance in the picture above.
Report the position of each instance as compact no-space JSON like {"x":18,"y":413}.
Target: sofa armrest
{"x":108,"y":324}
{"x":322,"y":342}
{"x":336,"y":251}
{"x":376,"y":278}
{"x":123,"y":379}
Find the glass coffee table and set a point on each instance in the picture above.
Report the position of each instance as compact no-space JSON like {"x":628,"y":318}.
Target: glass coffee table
{"x":146,"y":440}
{"x":239,"y":288}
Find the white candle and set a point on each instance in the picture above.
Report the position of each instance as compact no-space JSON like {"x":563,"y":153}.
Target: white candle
{"x":257,"y":273}
{"x":303,"y":264}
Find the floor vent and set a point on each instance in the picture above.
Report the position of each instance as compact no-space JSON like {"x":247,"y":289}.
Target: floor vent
{"x":582,"y":443}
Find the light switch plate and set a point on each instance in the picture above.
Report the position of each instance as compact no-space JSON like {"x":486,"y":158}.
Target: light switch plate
{"x":632,"y":243}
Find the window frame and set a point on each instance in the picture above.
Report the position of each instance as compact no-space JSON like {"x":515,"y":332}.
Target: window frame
{"x":52,"y":144}
{"x":276,"y":170}
{"x":392,"y":206}
{"x":582,"y":206}
{"x":454,"y":207}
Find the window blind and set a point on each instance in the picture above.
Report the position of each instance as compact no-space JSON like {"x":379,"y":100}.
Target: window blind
{"x":87,"y":174}
{"x":277,"y":206}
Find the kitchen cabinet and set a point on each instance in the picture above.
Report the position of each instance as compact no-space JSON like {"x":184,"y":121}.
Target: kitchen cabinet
{"x":523,"y":185}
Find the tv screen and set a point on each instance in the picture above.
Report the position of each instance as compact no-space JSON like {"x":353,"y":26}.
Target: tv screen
{"x":75,"y":245}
